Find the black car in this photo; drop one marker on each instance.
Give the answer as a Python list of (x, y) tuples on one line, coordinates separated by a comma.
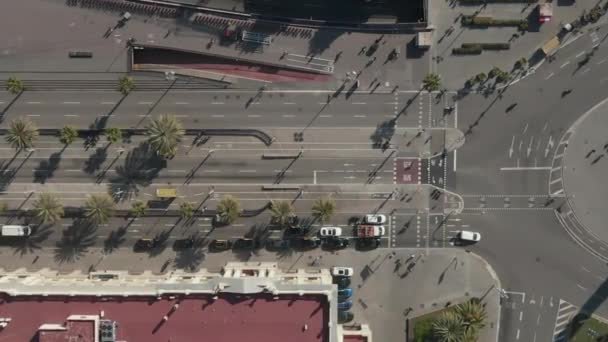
[(277, 244), (336, 243), (144, 245), (342, 282), (245, 244), (296, 231), (306, 242), (220, 245), (180, 244), (345, 316), (367, 243)]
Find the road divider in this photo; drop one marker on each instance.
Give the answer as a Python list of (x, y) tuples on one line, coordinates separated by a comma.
[(276, 187)]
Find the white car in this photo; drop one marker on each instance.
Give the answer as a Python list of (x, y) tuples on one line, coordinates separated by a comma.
[(375, 219), (330, 231), (469, 236), (342, 271)]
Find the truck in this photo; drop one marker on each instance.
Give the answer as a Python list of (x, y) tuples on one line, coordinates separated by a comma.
[(550, 46), (545, 12), (16, 230), (370, 231)]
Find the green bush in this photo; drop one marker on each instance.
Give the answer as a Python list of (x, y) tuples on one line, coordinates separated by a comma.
[(423, 330), (523, 25), (482, 21), (471, 46), (489, 21), (495, 46), (467, 51)]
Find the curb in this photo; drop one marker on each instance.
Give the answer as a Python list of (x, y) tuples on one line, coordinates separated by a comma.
[(494, 276)]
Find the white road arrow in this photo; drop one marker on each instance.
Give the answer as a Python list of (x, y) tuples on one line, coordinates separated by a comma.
[(530, 147), (511, 148)]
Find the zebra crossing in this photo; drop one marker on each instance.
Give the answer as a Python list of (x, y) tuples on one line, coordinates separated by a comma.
[(565, 312)]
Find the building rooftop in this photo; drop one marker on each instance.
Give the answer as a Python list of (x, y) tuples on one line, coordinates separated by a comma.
[(80, 331), (229, 318)]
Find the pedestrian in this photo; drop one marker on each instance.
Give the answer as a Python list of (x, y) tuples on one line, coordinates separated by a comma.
[(363, 49)]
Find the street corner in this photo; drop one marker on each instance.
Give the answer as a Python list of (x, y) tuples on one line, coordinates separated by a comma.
[(454, 139)]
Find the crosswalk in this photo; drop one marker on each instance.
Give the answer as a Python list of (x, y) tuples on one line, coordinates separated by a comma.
[(565, 312)]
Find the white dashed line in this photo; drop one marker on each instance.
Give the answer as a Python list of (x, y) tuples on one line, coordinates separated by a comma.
[(108, 103), (247, 171), (181, 103), (550, 75), (253, 116), (217, 103), (33, 102), (217, 115), (601, 62), (580, 54), (33, 115), (359, 116), (289, 116), (71, 102), (144, 103), (289, 103), (325, 116), (564, 65), (70, 115), (358, 103)]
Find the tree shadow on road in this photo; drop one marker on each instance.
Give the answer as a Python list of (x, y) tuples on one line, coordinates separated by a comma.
[(32, 243), (75, 241), (114, 240), (384, 133), (322, 40), (47, 168), (142, 165), (93, 164), (189, 259)]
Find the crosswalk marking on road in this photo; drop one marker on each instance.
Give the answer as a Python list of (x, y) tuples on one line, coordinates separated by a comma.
[(564, 313)]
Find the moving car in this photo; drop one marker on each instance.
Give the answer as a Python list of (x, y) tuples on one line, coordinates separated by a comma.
[(220, 245), (345, 293), (143, 245), (345, 316), (336, 243), (345, 305), (342, 282), (367, 243), (244, 244), (375, 219), (342, 271), (466, 235), (330, 231)]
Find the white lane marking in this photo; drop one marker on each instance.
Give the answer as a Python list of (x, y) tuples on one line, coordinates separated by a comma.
[(325, 116), (521, 315), (564, 65), (33, 102), (181, 115), (358, 103), (359, 116), (33, 115), (144, 103), (289, 116), (523, 168), (581, 287), (181, 103), (579, 54), (71, 115), (247, 171), (217, 115), (517, 336), (602, 61), (253, 116), (256, 103), (212, 171), (585, 71), (71, 102), (217, 103), (550, 75), (585, 269), (108, 103), (455, 159), (289, 103)]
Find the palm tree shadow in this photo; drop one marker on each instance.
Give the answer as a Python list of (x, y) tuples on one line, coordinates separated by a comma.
[(9, 105), (75, 241), (114, 240), (46, 168), (93, 164), (162, 239), (142, 165), (189, 259), (32, 243)]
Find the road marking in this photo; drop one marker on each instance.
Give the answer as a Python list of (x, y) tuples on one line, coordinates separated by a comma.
[(181, 103), (247, 171), (289, 103), (253, 116), (325, 116), (581, 287), (580, 54), (212, 171), (70, 115), (217, 103), (358, 103), (323, 103), (517, 336), (564, 65), (521, 315), (144, 103), (288, 116), (359, 116), (601, 62), (33, 115), (585, 71), (33, 102), (217, 115), (550, 75), (523, 168), (585, 269), (71, 102), (108, 103)]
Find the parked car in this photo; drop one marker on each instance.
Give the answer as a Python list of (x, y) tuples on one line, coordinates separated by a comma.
[(220, 245), (277, 244), (367, 231), (296, 231), (336, 243), (346, 305), (375, 219), (345, 316), (180, 244), (144, 245), (342, 282), (367, 243), (469, 236), (345, 293), (244, 244), (342, 271), (330, 231), (306, 242)]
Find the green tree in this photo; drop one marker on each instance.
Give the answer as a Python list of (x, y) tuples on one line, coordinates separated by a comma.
[(448, 327), (126, 84), (99, 208), (14, 85), (502, 76), (68, 134), (138, 208), (481, 77), (164, 135), (3, 208), (473, 315), (281, 211), (47, 208), (22, 133), (324, 208), (521, 63), (494, 72), (186, 210), (113, 135), (431, 82), (228, 209)]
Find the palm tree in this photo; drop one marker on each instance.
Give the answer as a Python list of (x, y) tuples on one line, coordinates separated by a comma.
[(3, 208), (228, 209), (164, 135), (431, 82), (138, 209), (448, 327), (324, 208), (22, 133), (281, 211), (126, 84), (47, 208), (186, 210), (113, 134), (14, 85), (473, 315), (68, 134), (99, 208)]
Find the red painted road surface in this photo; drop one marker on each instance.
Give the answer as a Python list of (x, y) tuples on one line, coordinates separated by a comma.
[(406, 170), (228, 319)]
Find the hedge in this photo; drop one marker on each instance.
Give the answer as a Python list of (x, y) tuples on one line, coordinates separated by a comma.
[(467, 51), (477, 48), (472, 20), (495, 46)]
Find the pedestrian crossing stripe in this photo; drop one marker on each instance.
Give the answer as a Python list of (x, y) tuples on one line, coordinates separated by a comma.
[(565, 311)]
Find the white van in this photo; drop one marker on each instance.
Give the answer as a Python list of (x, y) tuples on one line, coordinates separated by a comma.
[(469, 236), (16, 230)]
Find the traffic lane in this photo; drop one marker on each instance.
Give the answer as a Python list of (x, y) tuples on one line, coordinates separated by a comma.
[(549, 263)]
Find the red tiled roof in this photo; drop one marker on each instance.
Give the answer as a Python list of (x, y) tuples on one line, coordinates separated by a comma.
[(228, 319), (76, 331)]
